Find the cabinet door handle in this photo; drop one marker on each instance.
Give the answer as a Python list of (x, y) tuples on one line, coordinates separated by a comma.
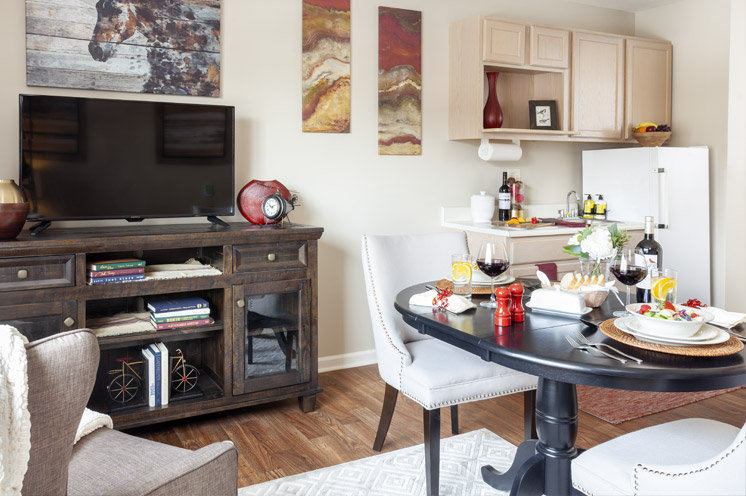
[(271, 257), (240, 303), (69, 322), (22, 274)]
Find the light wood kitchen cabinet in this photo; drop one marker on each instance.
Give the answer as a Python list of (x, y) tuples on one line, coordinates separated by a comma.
[(479, 45), (597, 85), (549, 47), (504, 42), (648, 83)]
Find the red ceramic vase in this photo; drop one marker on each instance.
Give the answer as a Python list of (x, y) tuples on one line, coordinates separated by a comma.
[(251, 196), (493, 114)]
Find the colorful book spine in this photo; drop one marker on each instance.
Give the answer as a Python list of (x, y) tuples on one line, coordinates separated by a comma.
[(177, 325), (116, 272), (149, 379), (106, 280), (188, 303), (124, 263), (181, 313), (185, 318), (158, 372), (166, 376)]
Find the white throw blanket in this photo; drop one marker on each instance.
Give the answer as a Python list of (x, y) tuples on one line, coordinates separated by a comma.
[(90, 422), (15, 421)]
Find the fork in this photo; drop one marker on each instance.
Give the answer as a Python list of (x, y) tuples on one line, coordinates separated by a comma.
[(587, 349), (584, 340)]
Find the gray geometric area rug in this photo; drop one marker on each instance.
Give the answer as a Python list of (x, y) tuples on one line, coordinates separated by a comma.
[(402, 472)]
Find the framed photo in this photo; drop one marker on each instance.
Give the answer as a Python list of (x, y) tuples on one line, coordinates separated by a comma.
[(542, 114)]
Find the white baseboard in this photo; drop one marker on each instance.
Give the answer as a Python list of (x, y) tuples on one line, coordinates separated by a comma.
[(348, 360)]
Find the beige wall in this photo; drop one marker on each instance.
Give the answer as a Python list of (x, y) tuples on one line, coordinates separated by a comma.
[(735, 254), (699, 31), (345, 186)]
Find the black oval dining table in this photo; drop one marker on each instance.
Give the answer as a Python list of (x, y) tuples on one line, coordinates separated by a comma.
[(538, 346)]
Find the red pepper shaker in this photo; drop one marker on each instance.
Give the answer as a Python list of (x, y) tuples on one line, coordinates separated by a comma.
[(516, 304), (502, 313)]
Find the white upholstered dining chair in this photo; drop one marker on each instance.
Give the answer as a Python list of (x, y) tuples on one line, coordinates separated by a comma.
[(431, 372), (690, 457)]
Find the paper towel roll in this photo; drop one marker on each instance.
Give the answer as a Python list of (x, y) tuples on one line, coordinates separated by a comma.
[(500, 152)]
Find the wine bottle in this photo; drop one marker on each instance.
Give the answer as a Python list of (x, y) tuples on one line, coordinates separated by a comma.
[(648, 252), (503, 200)]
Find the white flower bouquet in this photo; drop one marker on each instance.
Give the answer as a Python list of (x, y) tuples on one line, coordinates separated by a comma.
[(597, 244)]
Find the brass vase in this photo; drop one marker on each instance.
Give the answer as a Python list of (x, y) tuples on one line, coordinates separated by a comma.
[(13, 209)]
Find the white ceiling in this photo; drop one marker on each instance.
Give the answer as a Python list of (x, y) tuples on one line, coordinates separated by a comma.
[(627, 5)]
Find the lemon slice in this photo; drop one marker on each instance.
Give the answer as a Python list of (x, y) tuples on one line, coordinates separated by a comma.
[(461, 271), (662, 287)]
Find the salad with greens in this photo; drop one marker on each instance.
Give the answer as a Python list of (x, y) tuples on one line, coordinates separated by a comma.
[(668, 311)]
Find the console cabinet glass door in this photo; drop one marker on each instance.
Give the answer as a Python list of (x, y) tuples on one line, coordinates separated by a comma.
[(271, 335), (39, 320)]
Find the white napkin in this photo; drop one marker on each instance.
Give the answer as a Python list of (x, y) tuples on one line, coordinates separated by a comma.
[(456, 303), (724, 318)]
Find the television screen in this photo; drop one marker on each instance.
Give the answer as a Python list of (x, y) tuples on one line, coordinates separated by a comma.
[(84, 158)]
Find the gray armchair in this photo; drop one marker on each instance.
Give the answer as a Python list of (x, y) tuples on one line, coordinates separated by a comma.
[(61, 373)]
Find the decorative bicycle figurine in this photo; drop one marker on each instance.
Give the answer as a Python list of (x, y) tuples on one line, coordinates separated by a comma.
[(127, 381), (183, 376), (125, 386)]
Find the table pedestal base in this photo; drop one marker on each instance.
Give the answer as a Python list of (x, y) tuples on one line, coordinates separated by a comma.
[(543, 466)]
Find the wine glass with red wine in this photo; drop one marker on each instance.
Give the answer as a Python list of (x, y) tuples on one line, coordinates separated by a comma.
[(493, 261), (627, 272)]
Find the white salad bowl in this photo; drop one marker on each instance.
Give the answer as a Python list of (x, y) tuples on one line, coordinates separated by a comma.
[(669, 327)]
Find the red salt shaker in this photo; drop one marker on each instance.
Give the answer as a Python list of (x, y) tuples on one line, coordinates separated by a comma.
[(516, 304), (502, 313)]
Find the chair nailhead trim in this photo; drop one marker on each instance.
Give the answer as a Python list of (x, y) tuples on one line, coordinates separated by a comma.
[(582, 489), (386, 332), (640, 466), (470, 398)]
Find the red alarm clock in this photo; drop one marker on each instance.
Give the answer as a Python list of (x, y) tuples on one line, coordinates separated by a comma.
[(265, 202)]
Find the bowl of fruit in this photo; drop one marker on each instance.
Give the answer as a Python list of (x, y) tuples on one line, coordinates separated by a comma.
[(650, 134), (669, 320)]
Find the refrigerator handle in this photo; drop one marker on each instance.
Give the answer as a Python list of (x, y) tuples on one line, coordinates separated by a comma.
[(662, 199)]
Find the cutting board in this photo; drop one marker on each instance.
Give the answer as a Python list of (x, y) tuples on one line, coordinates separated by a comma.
[(523, 225)]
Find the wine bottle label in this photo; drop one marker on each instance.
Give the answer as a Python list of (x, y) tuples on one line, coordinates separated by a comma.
[(651, 262), (503, 201)]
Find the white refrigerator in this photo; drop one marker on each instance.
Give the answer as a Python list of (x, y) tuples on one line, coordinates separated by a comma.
[(673, 185)]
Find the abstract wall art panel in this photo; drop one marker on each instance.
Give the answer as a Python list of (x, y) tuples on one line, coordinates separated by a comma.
[(326, 66), (399, 82), (146, 46)]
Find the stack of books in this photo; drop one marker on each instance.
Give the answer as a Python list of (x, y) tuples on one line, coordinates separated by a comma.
[(179, 312), (156, 374), (121, 270)]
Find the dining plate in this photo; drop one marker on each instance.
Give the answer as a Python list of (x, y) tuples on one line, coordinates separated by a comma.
[(706, 332), (558, 313), (623, 324)]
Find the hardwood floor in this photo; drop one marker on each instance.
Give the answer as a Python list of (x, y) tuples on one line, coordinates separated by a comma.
[(277, 440)]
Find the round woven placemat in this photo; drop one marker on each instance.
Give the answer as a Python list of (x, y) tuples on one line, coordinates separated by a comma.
[(477, 290), (729, 347)]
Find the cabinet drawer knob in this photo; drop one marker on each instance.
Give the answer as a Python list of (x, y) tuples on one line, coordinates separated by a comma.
[(22, 274), (271, 257), (69, 322), (240, 303)]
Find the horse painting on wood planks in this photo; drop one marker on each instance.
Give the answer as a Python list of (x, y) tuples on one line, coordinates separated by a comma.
[(151, 46)]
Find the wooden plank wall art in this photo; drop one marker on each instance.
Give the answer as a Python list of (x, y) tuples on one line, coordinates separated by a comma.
[(399, 81), (326, 66), (146, 46)]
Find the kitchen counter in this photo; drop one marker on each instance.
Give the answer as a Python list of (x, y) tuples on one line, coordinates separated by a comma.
[(460, 218)]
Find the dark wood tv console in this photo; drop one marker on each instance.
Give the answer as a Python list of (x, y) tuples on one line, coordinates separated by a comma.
[(260, 347)]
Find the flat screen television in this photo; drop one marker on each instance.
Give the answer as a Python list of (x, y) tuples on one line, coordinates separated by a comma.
[(86, 158)]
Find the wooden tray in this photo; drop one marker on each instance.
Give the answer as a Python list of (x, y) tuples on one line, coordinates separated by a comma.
[(730, 347)]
